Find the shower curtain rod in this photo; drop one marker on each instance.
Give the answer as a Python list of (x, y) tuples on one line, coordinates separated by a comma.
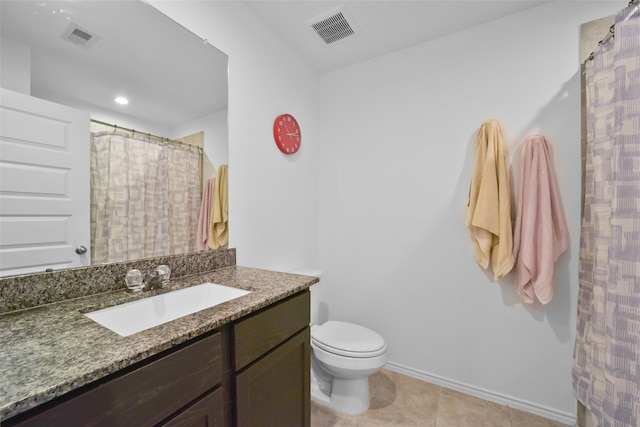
[(611, 32), (162, 138)]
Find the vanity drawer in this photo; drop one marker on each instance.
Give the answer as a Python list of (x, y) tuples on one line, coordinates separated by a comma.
[(144, 396), (268, 328)]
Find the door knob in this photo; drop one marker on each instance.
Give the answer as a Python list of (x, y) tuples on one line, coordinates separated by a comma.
[(81, 250)]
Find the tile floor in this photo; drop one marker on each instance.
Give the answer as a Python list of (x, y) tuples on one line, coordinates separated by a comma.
[(399, 400)]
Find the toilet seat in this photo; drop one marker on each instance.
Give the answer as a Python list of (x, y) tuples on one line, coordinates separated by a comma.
[(347, 339)]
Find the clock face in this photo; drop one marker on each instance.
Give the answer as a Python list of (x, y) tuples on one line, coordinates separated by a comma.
[(286, 133)]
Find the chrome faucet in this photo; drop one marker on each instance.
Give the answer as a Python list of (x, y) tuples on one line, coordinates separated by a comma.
[(152, 280)]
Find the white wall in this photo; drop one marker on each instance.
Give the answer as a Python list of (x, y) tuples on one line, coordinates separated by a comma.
[(394, 138), (273, 198), (397, 144), (121, 120), (216, 135)]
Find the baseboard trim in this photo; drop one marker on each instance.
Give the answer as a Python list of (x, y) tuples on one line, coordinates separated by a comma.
[(491, 396)]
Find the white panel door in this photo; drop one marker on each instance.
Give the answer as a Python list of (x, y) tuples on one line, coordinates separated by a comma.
[(44, 185)]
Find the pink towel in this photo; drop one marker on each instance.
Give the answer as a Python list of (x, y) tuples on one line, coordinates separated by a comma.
[(205, 214), (540, 233)]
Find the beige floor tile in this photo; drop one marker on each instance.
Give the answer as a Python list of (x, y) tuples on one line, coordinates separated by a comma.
[(396, 400), (401, 401), (461, 410), (524, 419), (321, 416)]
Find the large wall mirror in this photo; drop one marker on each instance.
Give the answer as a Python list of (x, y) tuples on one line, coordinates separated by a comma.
[(83, 54)]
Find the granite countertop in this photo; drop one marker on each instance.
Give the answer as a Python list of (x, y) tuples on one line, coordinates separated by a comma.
[(50, 350)]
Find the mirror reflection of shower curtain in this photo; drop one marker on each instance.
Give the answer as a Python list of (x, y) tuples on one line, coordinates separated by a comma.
[(607, 350), (145, 197)]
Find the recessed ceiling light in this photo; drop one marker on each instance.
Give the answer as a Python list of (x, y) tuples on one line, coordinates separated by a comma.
[(122, 100)]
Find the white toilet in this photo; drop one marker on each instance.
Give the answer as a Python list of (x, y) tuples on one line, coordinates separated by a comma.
[(343, 356)]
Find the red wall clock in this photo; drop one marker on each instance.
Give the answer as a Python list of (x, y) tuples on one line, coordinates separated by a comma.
[(286, 133)]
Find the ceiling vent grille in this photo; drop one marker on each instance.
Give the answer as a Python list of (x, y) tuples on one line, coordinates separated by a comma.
[(79, 36), (332, 26)]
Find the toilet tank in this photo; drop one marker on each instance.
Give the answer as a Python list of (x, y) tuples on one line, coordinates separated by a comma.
[(319, 310), (308, 272)]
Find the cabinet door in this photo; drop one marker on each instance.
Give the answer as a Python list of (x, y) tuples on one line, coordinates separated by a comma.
[(206, 412), (275, 390)]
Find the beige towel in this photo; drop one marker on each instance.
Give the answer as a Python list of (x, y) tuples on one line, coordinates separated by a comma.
[(489, 211), (204, 219), (218, 231), (540, 232)]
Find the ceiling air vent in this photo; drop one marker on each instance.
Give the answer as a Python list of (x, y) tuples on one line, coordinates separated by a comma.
[(79, 36), (333, 25)]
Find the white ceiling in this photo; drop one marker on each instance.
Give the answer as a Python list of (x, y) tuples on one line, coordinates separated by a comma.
[(380, 26), (172, 77)]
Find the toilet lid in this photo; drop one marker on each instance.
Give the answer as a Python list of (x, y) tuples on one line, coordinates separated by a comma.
[(347, 339)]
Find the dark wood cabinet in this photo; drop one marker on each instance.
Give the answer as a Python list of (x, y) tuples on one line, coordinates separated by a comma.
[(275, 390), (266, 329), (146, 395), (272, 359), (205, 412), (253, 372)]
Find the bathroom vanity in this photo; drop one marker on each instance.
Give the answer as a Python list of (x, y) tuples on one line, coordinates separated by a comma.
[(244, 362)]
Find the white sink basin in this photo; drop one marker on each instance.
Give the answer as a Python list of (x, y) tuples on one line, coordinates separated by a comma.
[(132, 317)]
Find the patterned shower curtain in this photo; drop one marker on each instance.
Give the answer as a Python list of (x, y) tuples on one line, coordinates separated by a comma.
[(145, 197), (606, 370)]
